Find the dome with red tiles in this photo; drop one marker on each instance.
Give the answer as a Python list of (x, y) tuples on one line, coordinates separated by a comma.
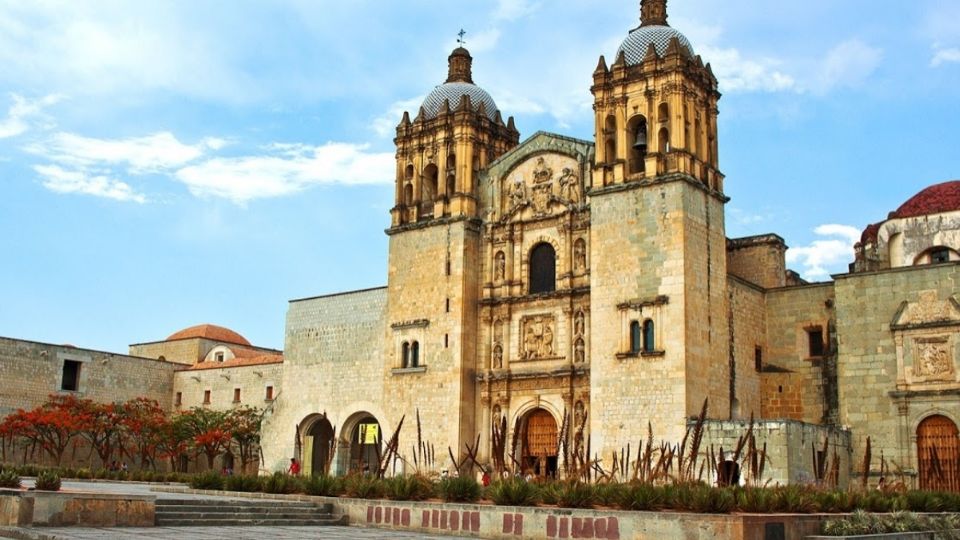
[(935, 199), (211, 332)]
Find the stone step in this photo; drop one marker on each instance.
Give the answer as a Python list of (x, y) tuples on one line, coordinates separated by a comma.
[(231, 503), (314, 522), (216, 514)]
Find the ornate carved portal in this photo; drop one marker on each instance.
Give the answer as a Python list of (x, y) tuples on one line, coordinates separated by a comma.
[(537, 337)]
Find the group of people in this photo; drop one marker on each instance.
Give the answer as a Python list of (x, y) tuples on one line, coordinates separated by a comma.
[(117, 466)]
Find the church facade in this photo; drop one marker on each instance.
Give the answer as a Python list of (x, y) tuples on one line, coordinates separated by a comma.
[(561, 282)]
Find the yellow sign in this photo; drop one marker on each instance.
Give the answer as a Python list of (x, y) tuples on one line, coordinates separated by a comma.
[(368, 434)]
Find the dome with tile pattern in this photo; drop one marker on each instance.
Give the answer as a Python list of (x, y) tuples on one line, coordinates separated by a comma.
[(635, 45)]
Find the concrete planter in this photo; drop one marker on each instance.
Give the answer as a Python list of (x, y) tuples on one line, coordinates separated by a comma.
[(65, 509)]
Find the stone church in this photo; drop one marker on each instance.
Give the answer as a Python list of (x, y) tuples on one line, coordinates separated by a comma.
[(559, 281)]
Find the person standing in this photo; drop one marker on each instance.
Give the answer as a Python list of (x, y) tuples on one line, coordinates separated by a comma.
[(294, 469)]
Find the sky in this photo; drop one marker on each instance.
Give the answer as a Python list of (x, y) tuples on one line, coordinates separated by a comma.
[(166, 164)]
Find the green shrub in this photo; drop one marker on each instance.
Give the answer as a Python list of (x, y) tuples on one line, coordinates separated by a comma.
[(29, 470), (460, 489), (363, 486), (100, 473), (242, 482), (608, 494), (575, 494), (700, 498), (84, 474), (175, 477), (280, 482), (794, 500), (549, 493), (208, 480), (323, 485), (837, 501), (48, 481), (9, 479), (513, 492), (412, 487), (877, 501), (67, 473), (640, 496), (860, 522)]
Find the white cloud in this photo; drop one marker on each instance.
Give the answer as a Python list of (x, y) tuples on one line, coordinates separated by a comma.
[(827, 255), (739, 74), (286, 169), (386, 124), (846, 65), (60, 180), (943, 55), (21, 111), (511, 10), (150, 153)]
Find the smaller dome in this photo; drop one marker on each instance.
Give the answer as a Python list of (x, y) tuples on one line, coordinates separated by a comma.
[(635, 45), (211, 332), (454, 91), (935, 199)]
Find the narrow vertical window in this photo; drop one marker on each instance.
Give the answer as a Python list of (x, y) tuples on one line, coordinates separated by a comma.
[(179, 399), (649, 343), (634, 337), (815, 341), (758, 358), (269, 396), (405, 355), (206, 397), (448, 305), (415, 354), (236, 395), (446, 340)]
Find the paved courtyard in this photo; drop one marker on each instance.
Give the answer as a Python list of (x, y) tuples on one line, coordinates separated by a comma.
[(189, 533)]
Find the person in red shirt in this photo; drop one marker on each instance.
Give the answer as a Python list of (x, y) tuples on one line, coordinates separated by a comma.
[(294, 467)]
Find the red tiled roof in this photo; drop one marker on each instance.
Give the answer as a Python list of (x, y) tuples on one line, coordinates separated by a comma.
[(870, 233), (935, 199), (211, 332), (257, 360)]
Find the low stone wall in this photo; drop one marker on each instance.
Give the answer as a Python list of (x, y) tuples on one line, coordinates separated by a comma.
[(511, 522), (64, 509)]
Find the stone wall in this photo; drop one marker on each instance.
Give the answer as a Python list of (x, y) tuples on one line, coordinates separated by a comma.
[(758, 259), (795, 384), (184, 351), (790, 447), (333, 363), (748, 334), (31, 371)]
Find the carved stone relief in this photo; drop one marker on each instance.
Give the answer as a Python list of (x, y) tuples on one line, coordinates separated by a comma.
[(497, 361), (535, 186), (499, 266), (537, 334), (933, 359), (579, 254)]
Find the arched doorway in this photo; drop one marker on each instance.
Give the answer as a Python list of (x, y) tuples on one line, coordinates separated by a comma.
[(365, 440), (539, 444), (938, 454), (321, 446)]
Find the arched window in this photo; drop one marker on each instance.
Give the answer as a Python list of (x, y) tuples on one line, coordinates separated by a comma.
[(408, 194), (936, 255), (415, 354), (663, 140), (408, 174), (663, 112), (543, 268), (451, 185), (649, 345), (428, 191), (610, 136), (637, 133), (405, 362), (635, 338)]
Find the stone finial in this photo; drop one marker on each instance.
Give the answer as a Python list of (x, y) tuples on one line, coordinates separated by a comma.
[(653, 12), (601, 66), (460, 66)]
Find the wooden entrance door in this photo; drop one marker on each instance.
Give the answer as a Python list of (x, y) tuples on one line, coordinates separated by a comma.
[(938, 454), (540, 443)]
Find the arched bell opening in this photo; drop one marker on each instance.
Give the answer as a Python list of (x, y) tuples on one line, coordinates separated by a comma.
[(637, 133)]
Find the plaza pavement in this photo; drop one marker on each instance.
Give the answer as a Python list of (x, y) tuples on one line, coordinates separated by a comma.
[(191, 533)]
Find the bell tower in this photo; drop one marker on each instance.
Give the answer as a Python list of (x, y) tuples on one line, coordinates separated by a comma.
[(434, 268), (457, 132), (658, 281)]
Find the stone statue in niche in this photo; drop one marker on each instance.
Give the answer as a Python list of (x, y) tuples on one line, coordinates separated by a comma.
[(570, 186), (934, 359), (579, 254), (495, 417), (500, 266), (537, 337), (497, 362), (578, 414), (579, 351), (542, 173), (518, 194), (578, 324)]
